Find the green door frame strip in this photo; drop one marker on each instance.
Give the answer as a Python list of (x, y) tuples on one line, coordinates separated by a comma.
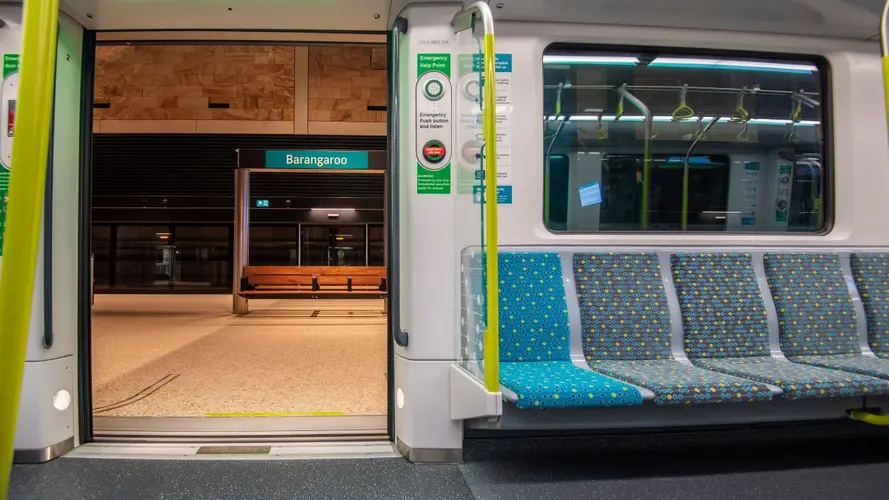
[(24, 211)]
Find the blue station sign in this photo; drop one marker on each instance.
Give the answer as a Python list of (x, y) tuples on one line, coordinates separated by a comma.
[(317, 159)]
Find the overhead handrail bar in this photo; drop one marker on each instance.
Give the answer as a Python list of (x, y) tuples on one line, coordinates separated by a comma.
[(463, 20), (24, 211), (646, 157), (674, 88)]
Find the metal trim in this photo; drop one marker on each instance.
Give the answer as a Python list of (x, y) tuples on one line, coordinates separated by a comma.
[(346, 426), (43, 455), (677, 337), (573, 304), (860, 314), (429, 455), (759, 269)]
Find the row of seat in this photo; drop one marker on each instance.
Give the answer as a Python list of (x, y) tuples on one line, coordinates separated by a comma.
[(687, 328)]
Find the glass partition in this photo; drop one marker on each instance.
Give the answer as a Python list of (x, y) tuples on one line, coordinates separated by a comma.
[(334, 245), (475, 159)]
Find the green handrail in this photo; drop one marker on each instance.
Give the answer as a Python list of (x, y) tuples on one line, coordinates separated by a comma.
[(23, 214), (461, 21)]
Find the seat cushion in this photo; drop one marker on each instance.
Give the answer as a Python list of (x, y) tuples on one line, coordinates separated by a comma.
[(816, 316), (855, 363), (560, 384), (676, 383), (798, 381), (533, 308), (722, 308), (871, 272), (623, 306)]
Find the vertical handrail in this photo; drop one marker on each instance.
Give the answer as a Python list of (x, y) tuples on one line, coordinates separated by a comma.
[(24, 211), (646, 155), (461, 21), (400, 336)]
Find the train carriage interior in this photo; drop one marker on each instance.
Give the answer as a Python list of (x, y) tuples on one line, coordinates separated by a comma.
[(443, 232)]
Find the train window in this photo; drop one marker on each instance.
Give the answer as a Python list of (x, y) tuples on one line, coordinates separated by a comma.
[(646, 141)]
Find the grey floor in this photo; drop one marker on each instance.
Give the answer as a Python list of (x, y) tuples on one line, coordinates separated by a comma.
[(841, 470)]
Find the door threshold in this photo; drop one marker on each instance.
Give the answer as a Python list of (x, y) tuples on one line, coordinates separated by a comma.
[(236, 451), (240, 429)]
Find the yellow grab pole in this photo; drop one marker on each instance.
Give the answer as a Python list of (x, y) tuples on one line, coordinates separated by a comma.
[(24, 210), (864, 416), (884, 48), (492, 336)]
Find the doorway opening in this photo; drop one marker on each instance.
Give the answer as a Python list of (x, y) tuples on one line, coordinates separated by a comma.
[(169, 357)]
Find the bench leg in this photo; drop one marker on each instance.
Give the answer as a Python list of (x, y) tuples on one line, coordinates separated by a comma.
[(385, 305)]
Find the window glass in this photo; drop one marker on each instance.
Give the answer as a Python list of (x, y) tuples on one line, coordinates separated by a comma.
[(274, 245), (645, 141)]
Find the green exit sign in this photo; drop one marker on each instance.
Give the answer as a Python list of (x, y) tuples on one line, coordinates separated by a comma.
[(262, 204)]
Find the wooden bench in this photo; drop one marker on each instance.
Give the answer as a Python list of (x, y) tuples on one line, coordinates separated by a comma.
[(312, 281)]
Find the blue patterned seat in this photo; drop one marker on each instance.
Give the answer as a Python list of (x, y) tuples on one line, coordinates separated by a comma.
[(535, 346), (871, 272), (726, 330), (816, 315), (626, 332)]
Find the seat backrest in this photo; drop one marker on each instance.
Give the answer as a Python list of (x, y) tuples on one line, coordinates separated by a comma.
[(816, 316), (533, 309), (871, 272), (623, 306), (722, 309)]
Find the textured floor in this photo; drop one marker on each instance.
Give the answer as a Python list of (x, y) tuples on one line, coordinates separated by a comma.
[(156, 355), (725, 475)]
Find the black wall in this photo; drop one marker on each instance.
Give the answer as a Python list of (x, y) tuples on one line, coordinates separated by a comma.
[(146, 178)]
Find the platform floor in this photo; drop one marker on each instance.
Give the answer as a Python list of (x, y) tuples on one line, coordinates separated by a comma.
[(187, 355)]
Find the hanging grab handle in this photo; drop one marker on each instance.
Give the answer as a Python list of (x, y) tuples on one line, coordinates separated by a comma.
[(740, 113), (683, 111)]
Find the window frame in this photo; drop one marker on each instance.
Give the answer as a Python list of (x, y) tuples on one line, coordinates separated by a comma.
[(825, 80)]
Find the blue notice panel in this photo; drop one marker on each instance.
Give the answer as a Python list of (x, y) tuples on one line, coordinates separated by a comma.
[(504, 195), (317, 159), (590, 194), (502, 63)]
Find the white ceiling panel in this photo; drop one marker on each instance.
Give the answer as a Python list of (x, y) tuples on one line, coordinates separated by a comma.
[(834, 18), (339, 15)]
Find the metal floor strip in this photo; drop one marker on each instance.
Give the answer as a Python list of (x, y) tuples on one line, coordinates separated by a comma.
[(236, 451)]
